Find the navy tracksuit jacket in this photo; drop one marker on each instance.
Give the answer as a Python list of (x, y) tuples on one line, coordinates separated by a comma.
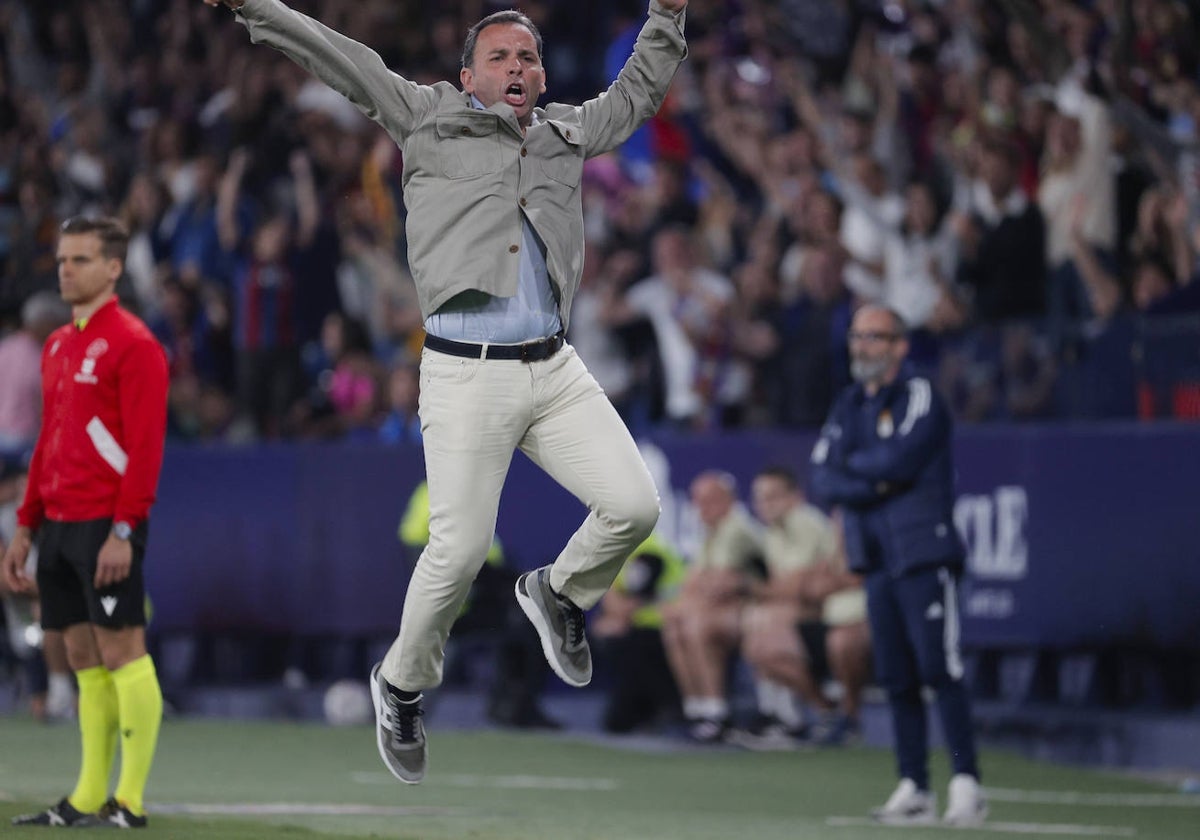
[(886, 461)]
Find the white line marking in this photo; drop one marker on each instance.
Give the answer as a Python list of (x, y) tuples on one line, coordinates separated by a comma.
[(1074, 797), (1060, 829), (467, 780), (308, 809)]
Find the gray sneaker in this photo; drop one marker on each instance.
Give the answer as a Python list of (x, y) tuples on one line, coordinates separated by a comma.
[(399, 732), (560, 624)]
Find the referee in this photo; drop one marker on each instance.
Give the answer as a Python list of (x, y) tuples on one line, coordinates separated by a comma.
[(91, 483)]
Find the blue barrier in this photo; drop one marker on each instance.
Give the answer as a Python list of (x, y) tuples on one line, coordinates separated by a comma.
[(1078, 536)]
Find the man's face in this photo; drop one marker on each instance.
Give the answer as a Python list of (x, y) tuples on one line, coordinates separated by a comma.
[(84, 272), (877, 347), (507, 68), (712, 501), (772, 499)]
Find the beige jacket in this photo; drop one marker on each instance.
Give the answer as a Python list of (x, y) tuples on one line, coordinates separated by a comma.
[(468, 174)]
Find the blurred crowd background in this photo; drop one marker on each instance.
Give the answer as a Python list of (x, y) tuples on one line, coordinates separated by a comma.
[(1020, 179)]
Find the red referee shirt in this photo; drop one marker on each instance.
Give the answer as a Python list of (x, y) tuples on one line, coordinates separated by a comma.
[(104, 418)]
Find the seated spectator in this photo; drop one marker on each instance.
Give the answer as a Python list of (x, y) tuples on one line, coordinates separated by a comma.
[(783, 633), (701, 627)]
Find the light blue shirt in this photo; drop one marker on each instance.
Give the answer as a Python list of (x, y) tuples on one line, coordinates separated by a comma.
[(530, 314)]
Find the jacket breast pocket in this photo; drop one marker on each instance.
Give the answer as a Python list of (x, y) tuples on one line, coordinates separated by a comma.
[(468, 145), (563, 163)]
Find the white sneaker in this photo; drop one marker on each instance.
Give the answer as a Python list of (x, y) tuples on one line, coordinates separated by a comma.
[(908, 806), (967, 805)]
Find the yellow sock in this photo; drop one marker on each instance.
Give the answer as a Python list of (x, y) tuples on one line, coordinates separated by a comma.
[(139, 701), (98, 735)]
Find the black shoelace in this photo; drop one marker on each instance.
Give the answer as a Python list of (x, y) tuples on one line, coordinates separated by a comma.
[(404, 717), (573, 618)]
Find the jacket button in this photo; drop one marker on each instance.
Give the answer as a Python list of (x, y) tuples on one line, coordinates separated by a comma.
[(568, 134), (523, 201), (524, 151), (512, 249), (466, 130)]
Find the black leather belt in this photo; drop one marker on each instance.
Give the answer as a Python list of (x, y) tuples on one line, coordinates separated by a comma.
[(530, 351)]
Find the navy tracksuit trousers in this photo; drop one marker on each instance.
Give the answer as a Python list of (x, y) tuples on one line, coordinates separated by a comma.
[(915, 637)]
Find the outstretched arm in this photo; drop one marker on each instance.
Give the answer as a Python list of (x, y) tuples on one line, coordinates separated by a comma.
[(643, 82), (352, 69)]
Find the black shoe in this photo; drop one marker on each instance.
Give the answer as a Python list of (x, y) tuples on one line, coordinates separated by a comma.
[(112, 814), (709, 730), (62, 814), (399, 732), (765, 734)]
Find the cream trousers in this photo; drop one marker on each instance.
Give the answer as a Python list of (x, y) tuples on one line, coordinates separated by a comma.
[(474, 414)]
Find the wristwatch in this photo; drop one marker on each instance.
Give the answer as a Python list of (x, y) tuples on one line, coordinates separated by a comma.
[(122, 530)]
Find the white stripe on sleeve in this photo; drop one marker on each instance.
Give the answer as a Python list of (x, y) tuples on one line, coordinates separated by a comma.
[(107, 446), (920, 399)]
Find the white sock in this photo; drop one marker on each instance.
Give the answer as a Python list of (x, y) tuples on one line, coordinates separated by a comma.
[(777, 701), (714, 708), (692, 708)]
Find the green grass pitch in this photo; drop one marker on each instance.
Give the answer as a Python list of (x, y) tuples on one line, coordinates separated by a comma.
[(233, 780)]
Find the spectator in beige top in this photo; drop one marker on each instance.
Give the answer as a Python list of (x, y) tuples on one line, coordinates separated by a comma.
[(701, 627), (808, 616)]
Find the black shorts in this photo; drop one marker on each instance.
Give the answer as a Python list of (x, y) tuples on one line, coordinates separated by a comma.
[(813, 634), (66, 569)]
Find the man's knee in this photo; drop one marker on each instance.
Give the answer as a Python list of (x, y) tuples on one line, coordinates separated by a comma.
[(467, 552), (635, 513), (117, 648), (847, 643), (82, 650)]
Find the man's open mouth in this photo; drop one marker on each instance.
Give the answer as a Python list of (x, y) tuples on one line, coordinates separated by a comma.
[(514, 95)]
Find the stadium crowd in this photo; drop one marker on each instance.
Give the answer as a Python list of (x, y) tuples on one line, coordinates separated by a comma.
[(1020, 180)]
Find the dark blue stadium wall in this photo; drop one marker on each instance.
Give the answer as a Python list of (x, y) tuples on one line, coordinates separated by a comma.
[(1078, 536)]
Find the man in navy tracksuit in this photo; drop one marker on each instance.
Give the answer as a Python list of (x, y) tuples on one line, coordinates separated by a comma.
[(884, 458)]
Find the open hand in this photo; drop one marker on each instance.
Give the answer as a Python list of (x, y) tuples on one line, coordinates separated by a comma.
[(14, 577)]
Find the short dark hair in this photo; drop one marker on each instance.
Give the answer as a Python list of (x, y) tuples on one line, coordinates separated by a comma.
[(508, 16), (114, 236), (782, 473)]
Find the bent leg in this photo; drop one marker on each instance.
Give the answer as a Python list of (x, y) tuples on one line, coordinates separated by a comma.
[(774, 646), (849, 650), (578, 438), (674, 645)]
